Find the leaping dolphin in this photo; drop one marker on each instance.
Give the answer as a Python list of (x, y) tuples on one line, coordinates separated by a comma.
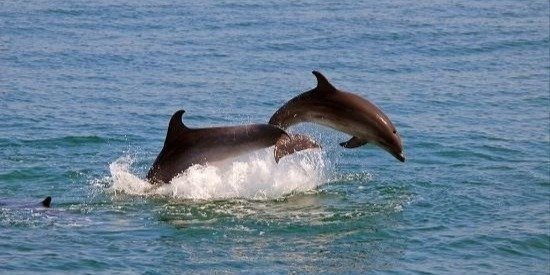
[(343, 111), (184, 147)]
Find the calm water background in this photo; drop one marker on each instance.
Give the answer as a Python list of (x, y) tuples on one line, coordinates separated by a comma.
[(87, 86)]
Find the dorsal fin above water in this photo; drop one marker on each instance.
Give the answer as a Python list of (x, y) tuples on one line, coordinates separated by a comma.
[(176, 128), (47, 202), (323, 85)]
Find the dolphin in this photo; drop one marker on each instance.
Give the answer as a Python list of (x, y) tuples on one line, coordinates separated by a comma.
[(184, 147), (47, 202), (343, 111)]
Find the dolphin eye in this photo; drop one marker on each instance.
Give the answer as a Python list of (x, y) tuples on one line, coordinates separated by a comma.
[(394, 131)]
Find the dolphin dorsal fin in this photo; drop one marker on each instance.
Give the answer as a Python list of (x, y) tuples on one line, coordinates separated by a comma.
[(47, 202), (176, 128), (323, 85)]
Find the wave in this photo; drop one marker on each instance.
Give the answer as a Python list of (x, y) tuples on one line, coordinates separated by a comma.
[(254, 176)]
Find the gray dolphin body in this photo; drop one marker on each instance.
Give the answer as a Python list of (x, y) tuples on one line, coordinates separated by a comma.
[(343, 111), (184, 147)]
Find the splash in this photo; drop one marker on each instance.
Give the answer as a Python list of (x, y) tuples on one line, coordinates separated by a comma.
[(253, 176)]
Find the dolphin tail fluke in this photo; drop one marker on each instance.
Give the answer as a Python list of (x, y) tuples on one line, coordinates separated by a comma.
[(287, 145), (47, 202)]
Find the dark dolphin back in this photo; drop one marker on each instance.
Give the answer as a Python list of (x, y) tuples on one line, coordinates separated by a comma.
[(184, 147), (47, 202), (297, 109)]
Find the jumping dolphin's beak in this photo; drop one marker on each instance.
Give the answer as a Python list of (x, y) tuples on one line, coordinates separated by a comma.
[(400, 157)]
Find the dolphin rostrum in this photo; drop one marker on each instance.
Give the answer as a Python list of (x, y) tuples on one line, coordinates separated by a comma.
[(343, 111), (184, 147)]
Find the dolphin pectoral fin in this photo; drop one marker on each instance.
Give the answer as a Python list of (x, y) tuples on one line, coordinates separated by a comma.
[(354, 142), (47, 202), (287, 145)]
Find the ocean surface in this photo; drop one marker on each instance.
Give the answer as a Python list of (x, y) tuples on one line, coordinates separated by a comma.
[(87, 89)]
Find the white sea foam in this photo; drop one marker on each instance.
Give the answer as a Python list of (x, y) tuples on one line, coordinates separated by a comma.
[(253, 176)]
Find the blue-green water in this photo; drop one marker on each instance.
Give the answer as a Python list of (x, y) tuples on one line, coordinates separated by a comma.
[(87, 88)]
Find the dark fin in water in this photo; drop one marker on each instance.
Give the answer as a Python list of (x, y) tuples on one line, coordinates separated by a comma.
[(176, 127), (288, 145), (354, 142), (47, 202), (323, 85)]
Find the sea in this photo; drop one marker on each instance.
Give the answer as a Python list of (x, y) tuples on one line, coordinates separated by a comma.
[(87, 89)]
